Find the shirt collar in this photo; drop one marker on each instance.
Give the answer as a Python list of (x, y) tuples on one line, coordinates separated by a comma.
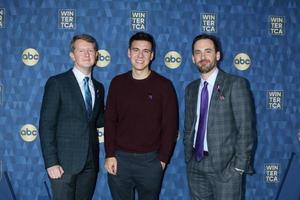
[(212, 78), (79, 75)]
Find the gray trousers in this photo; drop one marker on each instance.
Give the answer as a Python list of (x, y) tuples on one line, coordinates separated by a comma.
[(206, 184)]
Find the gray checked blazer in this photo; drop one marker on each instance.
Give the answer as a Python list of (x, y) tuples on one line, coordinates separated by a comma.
[(231, 123), (66, 132)]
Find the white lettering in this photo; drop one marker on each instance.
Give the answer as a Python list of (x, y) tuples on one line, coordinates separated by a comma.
[(138, 14), (277, 19), (68, 13), (209, 17)]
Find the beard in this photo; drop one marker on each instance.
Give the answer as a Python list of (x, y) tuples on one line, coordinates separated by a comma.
[(205, 66)]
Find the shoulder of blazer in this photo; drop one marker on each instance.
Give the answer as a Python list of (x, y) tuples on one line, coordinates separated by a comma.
[(63, 76), (226, 78), (225, 75), (191, 92), (60, 79), (193, 85)]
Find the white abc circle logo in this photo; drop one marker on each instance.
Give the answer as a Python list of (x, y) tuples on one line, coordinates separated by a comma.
[(30, 57), (172, 59), (242, 61), (28, 132), (100, 132), (103, 58)]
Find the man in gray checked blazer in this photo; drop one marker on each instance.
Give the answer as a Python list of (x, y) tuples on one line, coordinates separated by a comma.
[(68, 122), (229, 127)]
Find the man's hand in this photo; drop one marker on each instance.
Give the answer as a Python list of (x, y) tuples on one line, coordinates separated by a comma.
[(163, 165), (55, 171), (111, 165)]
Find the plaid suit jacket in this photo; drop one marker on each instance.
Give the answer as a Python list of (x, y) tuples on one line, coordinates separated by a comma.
[(66, 132), (231, 123)]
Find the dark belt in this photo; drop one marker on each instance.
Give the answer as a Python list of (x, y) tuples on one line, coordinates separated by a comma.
[(205, 153)]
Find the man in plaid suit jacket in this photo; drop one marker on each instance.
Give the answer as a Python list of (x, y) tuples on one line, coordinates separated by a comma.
[(229, 130), (68, 133)]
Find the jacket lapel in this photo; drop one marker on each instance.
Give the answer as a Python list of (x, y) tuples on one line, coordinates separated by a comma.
[(75, 88), (215, 98), (194, 99), (193, 102), (97, 97)]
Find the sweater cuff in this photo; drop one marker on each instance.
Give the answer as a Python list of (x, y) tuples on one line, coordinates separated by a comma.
[(110, 154), (163, 158)]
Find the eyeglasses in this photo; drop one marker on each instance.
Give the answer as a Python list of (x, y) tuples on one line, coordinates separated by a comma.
[(137, 51)]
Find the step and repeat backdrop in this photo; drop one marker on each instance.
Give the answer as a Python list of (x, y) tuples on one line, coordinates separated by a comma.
[(260, 41)]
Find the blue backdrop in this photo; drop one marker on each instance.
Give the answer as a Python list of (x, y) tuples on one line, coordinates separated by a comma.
[(34, 41)]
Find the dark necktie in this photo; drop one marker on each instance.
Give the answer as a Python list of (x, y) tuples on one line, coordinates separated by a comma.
[(87, 96), (202, 123)]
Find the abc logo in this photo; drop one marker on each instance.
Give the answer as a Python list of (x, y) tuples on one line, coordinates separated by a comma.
[(242, 61), (100, 132), (30, 57), (103, 58), (172, 59), (28, 132)]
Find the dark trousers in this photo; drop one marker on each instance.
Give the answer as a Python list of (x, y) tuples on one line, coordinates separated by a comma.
[(142, 172), (79, 186), (206, 184)]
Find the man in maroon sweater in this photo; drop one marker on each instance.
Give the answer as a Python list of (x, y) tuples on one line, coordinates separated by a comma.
[(141, 122)]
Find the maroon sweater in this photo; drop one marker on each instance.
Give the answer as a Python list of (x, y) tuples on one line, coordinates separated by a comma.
[(141, 116)]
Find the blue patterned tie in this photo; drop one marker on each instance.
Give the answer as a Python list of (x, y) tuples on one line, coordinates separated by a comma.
[(202, 123), (87, 96)]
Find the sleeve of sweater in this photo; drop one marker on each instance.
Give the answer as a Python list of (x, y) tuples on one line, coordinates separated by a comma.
[(169, 129), (110, 121)]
